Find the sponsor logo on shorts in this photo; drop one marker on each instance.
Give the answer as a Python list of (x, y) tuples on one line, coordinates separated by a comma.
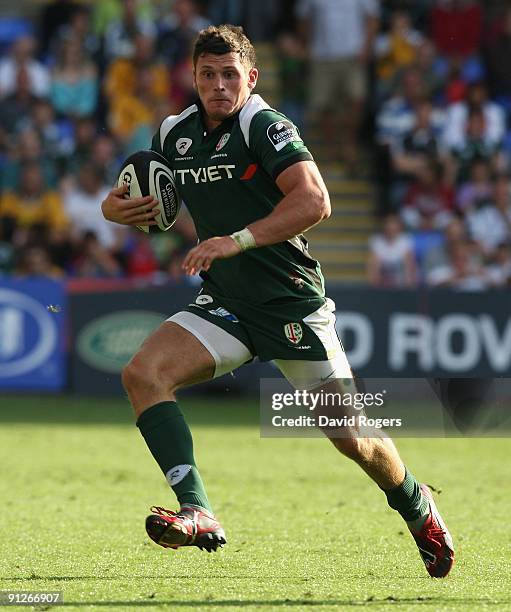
[(281, 133), (225, 314), (203, 299), (222, 142), (294, 332), (183, 144)]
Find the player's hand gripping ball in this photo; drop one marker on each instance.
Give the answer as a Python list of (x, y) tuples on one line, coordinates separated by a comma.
[(146, 173)]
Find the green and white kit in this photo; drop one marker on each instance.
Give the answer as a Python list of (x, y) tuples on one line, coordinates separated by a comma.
[(271, 300)]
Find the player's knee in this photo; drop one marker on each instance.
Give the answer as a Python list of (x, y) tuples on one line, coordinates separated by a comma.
[(134, 376), (141, 376)]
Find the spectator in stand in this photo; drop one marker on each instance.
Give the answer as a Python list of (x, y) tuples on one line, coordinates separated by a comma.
[(74, 85), (417, 147), (175, 45), (92, 260), (27, 149), (391, 261), (458, 115), (429, 203), (35, 262), (85, 131), (340, 35), (394, 120), (292, 63), (439, 254), (499, 270), (122, 74), (179, 30), (490, 225), (140, 257), (82, 209), (6, 247), (120, 35), (499, 67), (54, 134), (397, 116), (16, 108), (79, 29), (55, 14), (462, 272), (260, 19), (226, 11), (138, 90), (396, 50), (457, 27), (21, 57), (478, 190), (32, 203), (433, 69), (105, 155), (134, 118), (475, 144)]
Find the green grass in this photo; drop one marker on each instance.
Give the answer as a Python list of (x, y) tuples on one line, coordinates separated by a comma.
[(306, 529)]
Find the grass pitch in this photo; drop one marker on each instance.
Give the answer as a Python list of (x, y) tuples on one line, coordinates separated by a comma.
[(306, 528)]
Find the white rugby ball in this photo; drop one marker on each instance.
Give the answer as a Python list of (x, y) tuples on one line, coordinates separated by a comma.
[(147, 173)]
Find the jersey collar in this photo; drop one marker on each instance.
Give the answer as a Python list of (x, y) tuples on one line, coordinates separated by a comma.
[(226, 124)]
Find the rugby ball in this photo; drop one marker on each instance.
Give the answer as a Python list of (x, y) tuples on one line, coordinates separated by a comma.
[(147, 173)]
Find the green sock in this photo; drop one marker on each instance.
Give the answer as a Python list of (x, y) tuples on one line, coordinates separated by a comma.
[(408, 500), (169, 439)]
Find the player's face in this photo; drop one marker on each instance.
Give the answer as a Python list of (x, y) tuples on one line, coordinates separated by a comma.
[(223, 83)]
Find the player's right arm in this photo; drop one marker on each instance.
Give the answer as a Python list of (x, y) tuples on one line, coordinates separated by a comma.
[(132, 211)]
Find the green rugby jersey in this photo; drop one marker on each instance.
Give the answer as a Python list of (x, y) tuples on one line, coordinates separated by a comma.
[(227, 180)]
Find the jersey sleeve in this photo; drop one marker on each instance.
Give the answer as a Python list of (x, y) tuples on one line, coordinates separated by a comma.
[(276, 142)]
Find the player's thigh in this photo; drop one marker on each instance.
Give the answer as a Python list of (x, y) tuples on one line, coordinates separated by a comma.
[(225, 351), (187, 349), (311, 374), (171, 356)]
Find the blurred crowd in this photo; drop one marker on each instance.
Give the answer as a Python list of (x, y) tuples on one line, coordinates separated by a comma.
[(442, 124), (417, 91)]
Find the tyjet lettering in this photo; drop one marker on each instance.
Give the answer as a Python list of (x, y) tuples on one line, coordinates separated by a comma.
[(206, 175)]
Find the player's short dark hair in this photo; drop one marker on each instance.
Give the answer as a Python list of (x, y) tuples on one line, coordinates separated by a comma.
[(222, 39)]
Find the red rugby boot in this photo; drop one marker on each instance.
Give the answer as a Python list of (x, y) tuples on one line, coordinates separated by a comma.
[(434, 541), (191, 526)]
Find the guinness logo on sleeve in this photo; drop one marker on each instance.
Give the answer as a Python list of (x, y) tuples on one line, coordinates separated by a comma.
[(281, 133)]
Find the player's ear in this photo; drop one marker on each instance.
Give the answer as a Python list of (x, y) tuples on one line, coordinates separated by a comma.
[(252, 77)]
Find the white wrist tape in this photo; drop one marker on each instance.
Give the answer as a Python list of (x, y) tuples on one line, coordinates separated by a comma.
[(244, 239)]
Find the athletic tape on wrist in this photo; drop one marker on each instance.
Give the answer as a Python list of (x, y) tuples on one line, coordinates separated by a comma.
[(244, 239)]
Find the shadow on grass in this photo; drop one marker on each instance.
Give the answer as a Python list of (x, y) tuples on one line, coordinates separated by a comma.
[(434, 602), (67, 409)]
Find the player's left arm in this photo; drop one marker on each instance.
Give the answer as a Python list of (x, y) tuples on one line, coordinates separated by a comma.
[(305, 203)]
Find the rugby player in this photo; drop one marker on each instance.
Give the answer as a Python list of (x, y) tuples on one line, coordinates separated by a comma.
[(252, 189)]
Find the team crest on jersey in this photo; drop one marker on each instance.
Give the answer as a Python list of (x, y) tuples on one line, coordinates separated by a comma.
[(183, 144), (222, 142), (294, 332)]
